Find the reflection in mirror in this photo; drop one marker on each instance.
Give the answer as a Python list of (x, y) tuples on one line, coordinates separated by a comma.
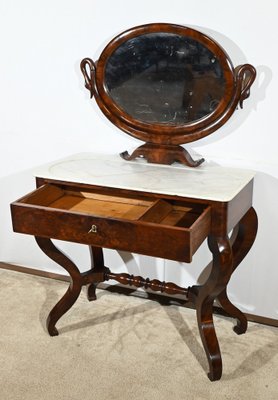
[(164, 78)]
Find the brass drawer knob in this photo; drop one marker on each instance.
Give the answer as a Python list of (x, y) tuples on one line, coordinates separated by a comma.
[(93, 229)]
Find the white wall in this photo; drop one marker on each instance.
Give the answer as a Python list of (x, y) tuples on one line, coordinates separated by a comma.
[(45, 113)]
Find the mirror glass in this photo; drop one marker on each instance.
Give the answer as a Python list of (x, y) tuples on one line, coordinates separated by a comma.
[(164, 78)]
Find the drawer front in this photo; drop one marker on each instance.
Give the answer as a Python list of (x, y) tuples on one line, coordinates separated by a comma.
[(154, 239)]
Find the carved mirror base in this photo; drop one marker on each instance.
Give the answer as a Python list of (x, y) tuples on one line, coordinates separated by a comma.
[(162, 154)]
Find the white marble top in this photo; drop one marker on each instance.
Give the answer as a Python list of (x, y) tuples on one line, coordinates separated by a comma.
[(207, 181)]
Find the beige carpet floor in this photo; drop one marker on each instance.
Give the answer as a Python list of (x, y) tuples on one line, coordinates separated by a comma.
[(122, 347)]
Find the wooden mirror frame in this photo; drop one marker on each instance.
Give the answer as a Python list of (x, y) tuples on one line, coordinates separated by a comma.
[(163, 140)]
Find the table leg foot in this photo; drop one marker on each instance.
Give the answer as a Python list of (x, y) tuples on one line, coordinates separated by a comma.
[(71, 295), (209, 340), (52, 330), (66, 302), (204, 296), (97, 265), (91, 292)]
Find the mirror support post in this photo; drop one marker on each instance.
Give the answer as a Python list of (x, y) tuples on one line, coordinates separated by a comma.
[(163, 154)]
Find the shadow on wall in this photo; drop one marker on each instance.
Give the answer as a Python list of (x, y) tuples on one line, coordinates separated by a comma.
[(258, 93), (12, 187), (258, 89), (259, 270)]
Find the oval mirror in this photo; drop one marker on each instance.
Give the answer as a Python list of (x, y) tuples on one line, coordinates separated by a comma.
[(167, 85)]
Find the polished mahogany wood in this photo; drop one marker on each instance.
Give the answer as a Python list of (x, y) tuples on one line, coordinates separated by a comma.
[(227, 255), (242, 240), (77, 279), (204, 296), (154, 224), (163, 154), (178, 242), (156, 135), (218, 218), (74, 289), (154, 284), (97, 266)]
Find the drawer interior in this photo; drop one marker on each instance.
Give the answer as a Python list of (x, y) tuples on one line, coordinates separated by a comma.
[(133, 207)]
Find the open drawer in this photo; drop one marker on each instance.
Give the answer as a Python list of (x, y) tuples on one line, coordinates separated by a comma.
[(137, 223)]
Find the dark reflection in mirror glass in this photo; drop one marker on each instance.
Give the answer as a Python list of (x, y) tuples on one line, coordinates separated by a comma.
[(164, 78)]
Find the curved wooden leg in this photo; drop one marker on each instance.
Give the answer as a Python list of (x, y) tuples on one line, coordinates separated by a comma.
[(204, 296), (242, 242), (97, 265), (70, 297)]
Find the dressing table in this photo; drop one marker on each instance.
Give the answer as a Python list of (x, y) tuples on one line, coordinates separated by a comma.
[(167, 85)]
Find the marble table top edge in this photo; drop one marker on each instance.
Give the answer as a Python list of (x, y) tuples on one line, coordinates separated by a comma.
[(206, 182)]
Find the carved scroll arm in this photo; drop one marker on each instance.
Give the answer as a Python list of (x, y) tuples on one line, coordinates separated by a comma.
[(89, 76), (245, 76)]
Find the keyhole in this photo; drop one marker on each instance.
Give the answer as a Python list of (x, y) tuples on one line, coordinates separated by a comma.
[(93, 229)]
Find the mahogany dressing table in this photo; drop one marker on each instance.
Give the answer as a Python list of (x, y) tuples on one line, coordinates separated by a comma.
[(167, 85)]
